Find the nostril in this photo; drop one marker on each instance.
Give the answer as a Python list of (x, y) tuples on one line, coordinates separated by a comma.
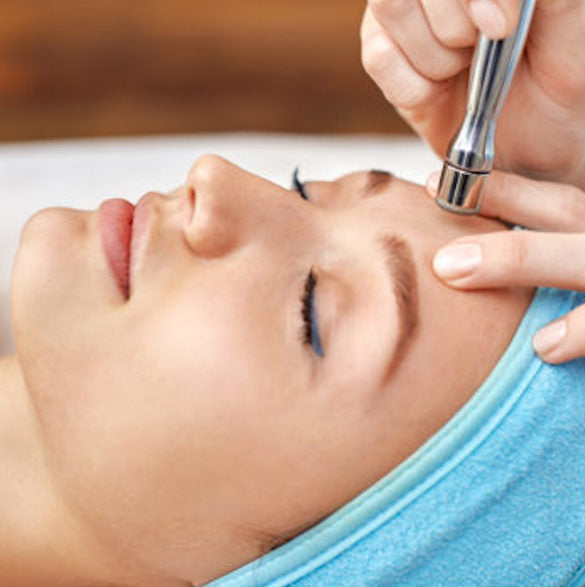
[(191, 199)]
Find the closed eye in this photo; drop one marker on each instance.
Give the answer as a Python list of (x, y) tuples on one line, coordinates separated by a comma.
[(311, 334)]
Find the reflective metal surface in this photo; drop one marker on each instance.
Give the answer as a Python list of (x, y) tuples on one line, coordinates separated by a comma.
[(460, 190), (472, 151)]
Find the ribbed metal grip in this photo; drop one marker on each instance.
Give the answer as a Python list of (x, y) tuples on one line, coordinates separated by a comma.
[(460, 191)]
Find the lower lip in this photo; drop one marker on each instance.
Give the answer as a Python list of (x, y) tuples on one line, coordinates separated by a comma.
[(115, 223)]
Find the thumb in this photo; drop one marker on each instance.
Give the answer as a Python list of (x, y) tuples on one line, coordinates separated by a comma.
[(495, 18)]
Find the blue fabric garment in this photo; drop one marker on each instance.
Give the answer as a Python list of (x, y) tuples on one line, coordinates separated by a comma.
[(495, 498)]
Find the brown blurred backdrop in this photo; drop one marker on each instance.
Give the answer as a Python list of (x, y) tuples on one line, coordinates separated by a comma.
[(71, 68)]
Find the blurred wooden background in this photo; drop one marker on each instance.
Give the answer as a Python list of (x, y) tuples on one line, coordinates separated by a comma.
[(74, 68)]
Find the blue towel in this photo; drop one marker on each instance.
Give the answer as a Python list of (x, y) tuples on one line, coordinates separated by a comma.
[(495, 498)]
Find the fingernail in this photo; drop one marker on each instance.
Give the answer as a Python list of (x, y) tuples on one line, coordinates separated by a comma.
[(489, 18), (433, 183), (547, 339), (457, 261)]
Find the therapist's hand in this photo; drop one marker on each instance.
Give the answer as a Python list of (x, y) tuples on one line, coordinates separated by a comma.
[(419, 53), (552, 257)]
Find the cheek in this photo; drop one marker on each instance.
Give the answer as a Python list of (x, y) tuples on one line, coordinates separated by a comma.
[(146, 418), (162, 412)]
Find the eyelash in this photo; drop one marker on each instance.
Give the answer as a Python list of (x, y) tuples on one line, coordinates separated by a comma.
[(310, 329), (298, 185), (310, 335)]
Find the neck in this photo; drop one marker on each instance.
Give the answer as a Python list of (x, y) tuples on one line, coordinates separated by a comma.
[(41, 541)]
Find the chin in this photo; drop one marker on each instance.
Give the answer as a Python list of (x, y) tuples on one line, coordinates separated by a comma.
[(54, 293), (49, 279)]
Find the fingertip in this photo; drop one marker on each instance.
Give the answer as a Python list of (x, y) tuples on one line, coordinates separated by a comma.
[(547, 341), (457, 262), (489, 17), (432, 184)]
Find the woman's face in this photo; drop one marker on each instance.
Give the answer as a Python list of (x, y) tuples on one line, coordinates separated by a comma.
[(266, 367)]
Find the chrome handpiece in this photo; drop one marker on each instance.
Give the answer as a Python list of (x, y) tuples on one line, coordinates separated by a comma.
[(471, 152)]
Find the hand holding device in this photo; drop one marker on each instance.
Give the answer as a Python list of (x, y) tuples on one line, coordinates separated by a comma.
[(419, 52)]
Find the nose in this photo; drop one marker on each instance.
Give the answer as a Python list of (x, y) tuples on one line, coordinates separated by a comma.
[(231, 207)]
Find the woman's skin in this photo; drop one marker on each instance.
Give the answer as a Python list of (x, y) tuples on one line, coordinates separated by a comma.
[(171, 436)]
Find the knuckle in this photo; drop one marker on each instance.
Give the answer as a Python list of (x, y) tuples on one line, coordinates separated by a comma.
[(369, 26), (514, 253), (454, 38), (447, 37), (413, 96), (376, 55), (448, 65), (449, 24)]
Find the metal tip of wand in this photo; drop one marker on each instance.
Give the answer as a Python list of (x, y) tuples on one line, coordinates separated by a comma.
[(460, 191)]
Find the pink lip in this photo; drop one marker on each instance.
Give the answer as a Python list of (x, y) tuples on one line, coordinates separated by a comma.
[(140, 228), (116, 218), (124, 230)]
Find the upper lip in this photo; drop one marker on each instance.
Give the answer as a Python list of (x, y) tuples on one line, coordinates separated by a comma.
[(140, 229), (143, 215)]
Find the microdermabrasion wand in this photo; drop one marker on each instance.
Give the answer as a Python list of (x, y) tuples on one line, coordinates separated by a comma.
[(471, 153)]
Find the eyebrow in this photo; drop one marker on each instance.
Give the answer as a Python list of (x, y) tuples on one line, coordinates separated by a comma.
[(402, 274), (376, 181)]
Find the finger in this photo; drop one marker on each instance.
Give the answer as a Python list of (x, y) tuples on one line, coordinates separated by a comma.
[(495, 18), (383, 60), (513, 258), (539, 205), (450, 23), (562, 340), (405, 23)]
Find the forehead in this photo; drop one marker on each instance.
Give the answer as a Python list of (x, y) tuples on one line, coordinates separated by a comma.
[(367, 182), (365, 186)]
